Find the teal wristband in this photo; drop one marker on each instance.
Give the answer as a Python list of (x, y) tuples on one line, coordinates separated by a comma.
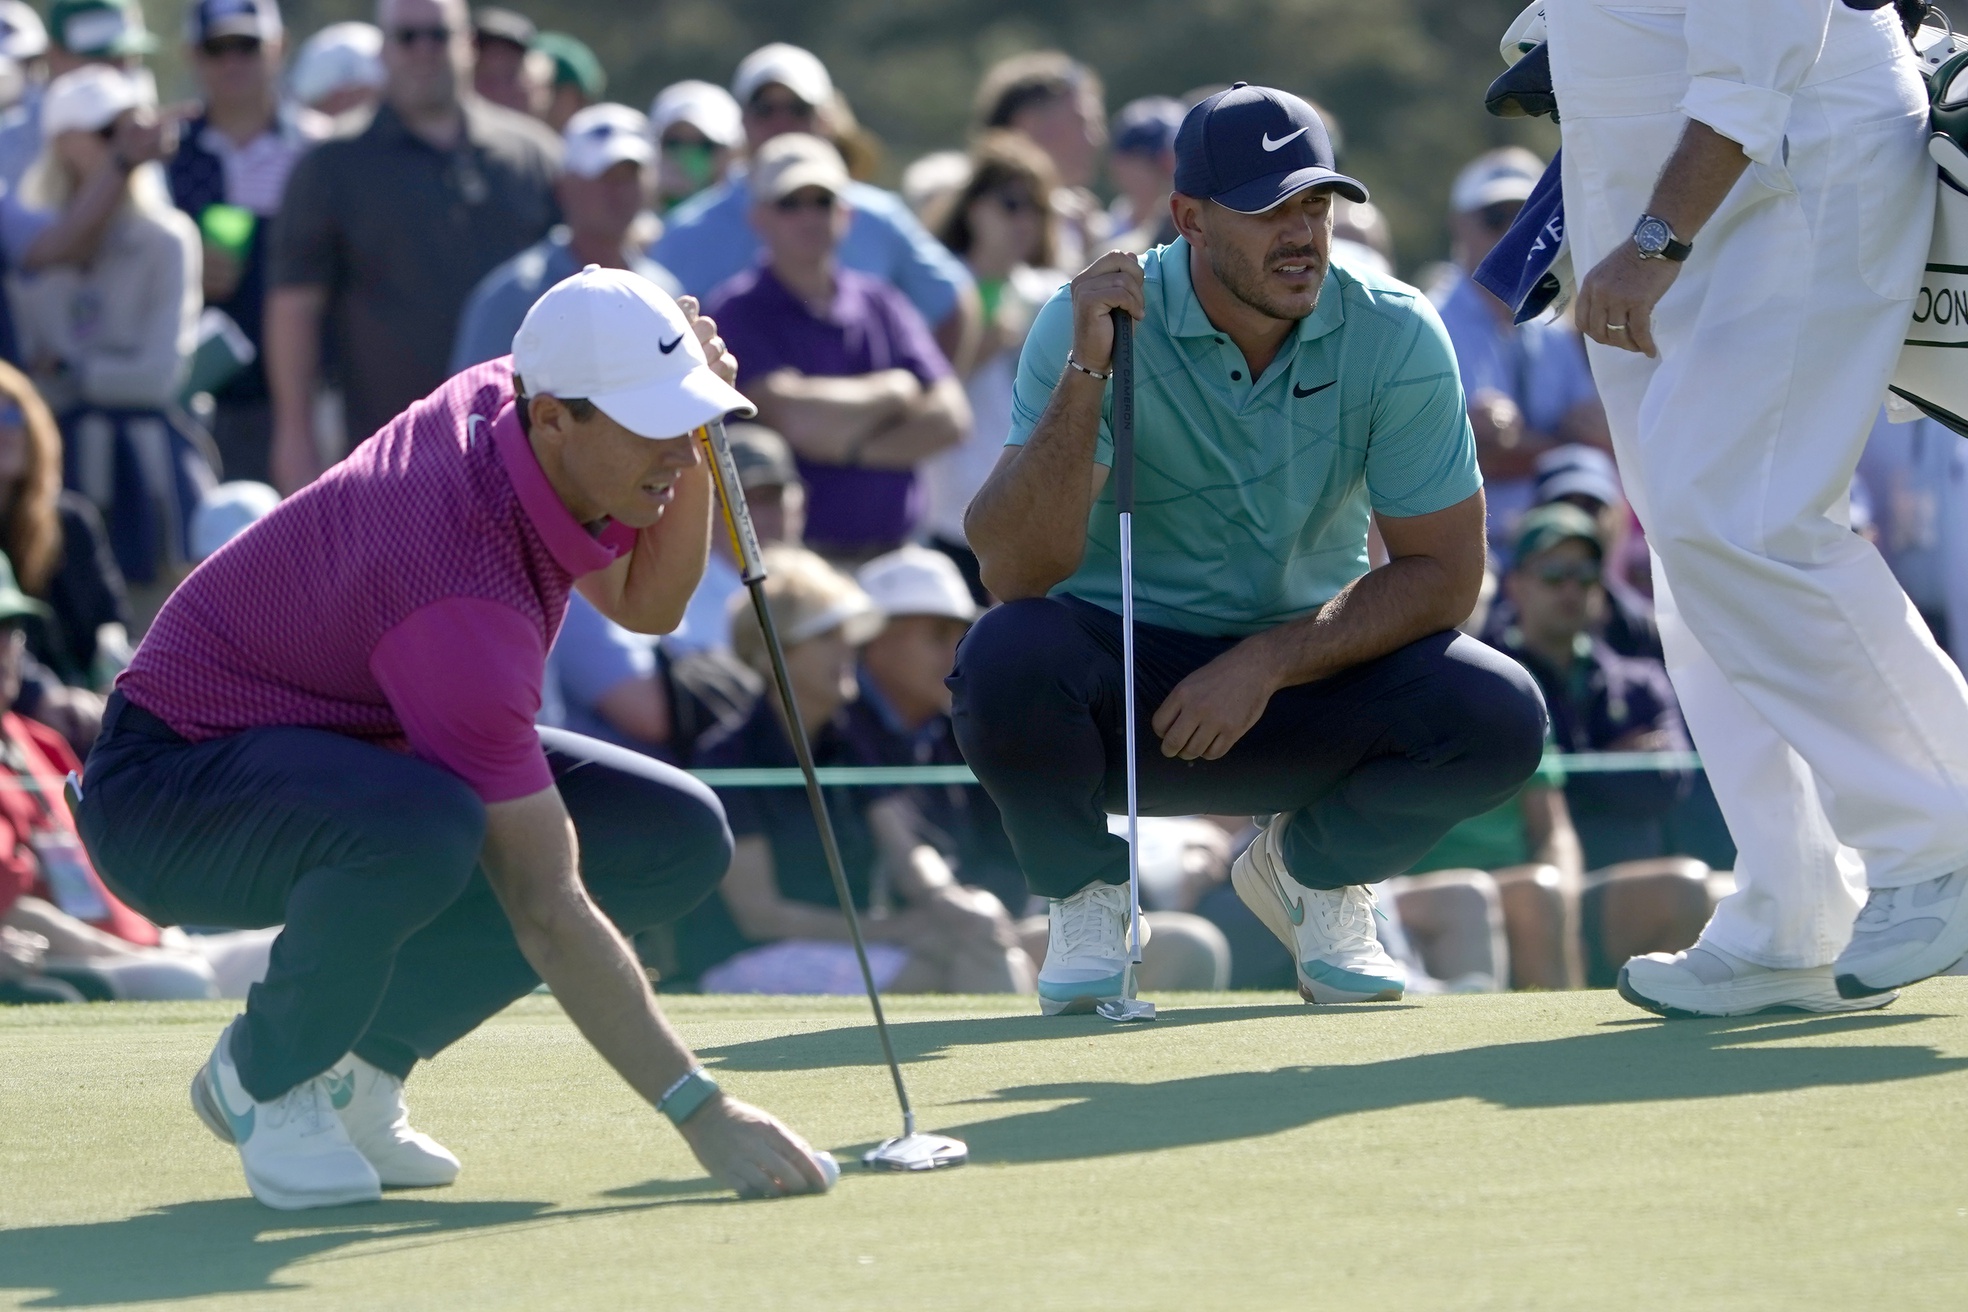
[(683, 1098)]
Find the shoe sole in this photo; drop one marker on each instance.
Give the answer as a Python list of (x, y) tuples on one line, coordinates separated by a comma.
[(1257, 893), (1629, 991), (201, 1102)]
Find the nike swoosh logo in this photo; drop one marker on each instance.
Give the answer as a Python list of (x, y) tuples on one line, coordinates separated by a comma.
[(1281, 142), (1294, 906), (471, 429), (1310, 390), (341, 1088), (667, 347), (242, 1124)]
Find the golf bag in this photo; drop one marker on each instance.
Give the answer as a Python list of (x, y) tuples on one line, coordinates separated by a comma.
[(1931, 377)]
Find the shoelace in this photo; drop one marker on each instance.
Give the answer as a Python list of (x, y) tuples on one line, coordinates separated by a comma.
[(1348, 916), (303, 1105), (1081, 922), (1878, 910)]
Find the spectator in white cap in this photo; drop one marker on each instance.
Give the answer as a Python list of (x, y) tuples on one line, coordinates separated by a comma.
[(227, 511), (603, 186), (339, 69), (77, 32), (708, 239), (107, 341), (1528, 385), (23, 52), (229, 174), (289, 660), (699, 131)]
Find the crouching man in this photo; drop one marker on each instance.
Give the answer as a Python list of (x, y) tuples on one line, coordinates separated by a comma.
[(330, 726), (1281, 403)]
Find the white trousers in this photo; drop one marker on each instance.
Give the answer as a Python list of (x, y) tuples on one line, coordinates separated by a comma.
[(1834, 731)]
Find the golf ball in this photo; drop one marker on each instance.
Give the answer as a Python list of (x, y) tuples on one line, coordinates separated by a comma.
[(829, 1167)]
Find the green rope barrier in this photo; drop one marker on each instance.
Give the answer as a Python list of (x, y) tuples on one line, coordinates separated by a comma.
[(901, 776)]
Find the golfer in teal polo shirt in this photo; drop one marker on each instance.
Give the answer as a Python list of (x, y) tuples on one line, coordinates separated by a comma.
[(1284, 405)]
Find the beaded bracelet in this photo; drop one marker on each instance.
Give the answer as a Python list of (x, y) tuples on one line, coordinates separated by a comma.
[(1071, 363)]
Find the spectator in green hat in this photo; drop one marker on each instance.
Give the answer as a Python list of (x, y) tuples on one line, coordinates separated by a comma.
[(577, 78)]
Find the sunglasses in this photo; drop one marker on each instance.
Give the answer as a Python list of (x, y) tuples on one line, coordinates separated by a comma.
[(790, 107), (1499, 217), (221, 46), (1585, 573), (1012, 203), (409, 36), (794, 203)]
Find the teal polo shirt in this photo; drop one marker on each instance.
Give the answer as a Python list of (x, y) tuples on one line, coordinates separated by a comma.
[(1253, 497)]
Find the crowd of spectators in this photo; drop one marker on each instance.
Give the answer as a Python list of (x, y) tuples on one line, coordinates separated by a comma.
[(206, 303)]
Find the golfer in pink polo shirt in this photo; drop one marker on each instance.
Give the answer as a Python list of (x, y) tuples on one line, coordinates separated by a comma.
[(330, 727)]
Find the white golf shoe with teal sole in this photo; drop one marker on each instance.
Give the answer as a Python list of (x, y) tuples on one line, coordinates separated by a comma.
[(294, 1148), (1086, 950), (1329, 932), (370, 1102)]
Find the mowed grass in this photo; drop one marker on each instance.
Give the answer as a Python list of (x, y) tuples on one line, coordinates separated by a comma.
[(1548, 1151)]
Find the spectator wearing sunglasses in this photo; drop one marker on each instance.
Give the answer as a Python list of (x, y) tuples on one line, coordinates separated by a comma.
[(1006, 233), (699, 131), (78, 32), (837, 360), (384, 293), (229, 174), (784, 89), (1528, 385), (1600, 700)]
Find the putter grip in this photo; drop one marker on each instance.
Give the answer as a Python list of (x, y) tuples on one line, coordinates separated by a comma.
[(737, 516), (1123, 412)]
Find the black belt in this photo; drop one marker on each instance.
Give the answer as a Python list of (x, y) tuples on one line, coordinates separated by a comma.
[(123, 714)]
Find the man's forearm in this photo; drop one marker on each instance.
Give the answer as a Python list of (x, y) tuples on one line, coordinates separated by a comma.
[(76, 235), (293, 361), (935, 422), (1381, 611), (825, 419), (1027, 524), (531, 857), (1697, 178)]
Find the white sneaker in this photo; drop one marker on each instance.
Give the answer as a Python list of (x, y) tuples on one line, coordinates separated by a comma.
[(1903, 935), (1708, 981), (1086, 958), (294, 1148), (1329, 932), (370, 1102)]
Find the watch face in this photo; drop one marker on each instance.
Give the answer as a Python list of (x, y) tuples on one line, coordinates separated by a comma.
[(1652, 235)]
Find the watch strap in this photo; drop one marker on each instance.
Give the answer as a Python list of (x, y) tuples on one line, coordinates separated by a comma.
[(687, 1095)]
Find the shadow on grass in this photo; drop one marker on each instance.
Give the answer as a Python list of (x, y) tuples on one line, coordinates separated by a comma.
[(1661, 1062), (236, 1246), (924, 1040)]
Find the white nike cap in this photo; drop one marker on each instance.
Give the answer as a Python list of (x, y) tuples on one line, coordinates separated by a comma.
[(615, 338)]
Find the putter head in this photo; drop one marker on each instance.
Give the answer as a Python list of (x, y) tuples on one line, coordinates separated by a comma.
[(917, 1152), (1123, 1010)]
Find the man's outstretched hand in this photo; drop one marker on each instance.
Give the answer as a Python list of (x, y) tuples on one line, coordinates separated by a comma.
[(752, 1151)]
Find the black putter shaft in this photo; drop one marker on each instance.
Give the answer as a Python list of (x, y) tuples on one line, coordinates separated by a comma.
[(1123, 426), (744, 541)]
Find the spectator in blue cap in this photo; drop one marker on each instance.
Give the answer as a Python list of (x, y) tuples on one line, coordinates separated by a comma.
[(1142, 167), (229, 174)]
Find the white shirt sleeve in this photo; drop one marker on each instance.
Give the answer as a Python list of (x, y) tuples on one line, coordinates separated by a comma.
[(1745, 60)]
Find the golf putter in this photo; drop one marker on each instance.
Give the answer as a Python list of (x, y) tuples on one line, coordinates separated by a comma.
[(910, 1151), (1127, 1007)]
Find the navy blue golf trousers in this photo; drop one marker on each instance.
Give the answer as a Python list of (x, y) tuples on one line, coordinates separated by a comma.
[(394, 945), (1375, 764)]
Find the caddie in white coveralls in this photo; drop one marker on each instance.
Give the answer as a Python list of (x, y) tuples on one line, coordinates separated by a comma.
[(1785, 141)]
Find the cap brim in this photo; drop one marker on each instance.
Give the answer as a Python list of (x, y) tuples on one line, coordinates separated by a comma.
[(1261, 194), (673, 407), (241, 25), (808, 174), (580, 165), (1502, 191), (1569, 484), (19, 606)]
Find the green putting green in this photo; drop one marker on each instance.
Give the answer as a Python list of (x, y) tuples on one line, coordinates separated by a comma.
[(1528, 1150)]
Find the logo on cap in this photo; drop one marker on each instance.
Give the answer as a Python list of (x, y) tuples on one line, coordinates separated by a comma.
[(1281, 142)]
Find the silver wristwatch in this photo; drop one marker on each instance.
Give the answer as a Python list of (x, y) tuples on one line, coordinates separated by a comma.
[(1654, 240)]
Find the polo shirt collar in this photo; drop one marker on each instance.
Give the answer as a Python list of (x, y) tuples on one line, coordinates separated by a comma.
[(386, 122), (1184, 315), (575, 549)]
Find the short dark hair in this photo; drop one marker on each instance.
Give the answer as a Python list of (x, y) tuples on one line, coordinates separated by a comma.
[(1039, 77), (1002, 159), (579, 406)]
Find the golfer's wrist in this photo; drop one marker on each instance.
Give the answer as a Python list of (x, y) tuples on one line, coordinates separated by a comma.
[(690, 1097)]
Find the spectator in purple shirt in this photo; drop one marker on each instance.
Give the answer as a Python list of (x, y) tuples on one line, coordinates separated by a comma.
[(836, 360)]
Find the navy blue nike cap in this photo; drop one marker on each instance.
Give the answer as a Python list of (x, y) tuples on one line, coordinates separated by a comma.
[(1249, 148)]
